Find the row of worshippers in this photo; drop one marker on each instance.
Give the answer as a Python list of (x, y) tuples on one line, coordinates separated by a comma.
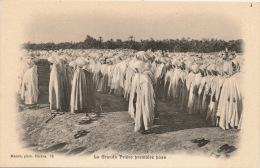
[(197, 85), (71, 86), (211, 90), (130, 76), (207, 86), (87, 77)]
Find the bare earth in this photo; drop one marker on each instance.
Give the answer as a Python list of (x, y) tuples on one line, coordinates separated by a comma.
[(114, 131)]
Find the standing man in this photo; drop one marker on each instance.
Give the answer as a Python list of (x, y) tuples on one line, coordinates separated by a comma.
[(143, 92), (29, 87), (82, 92), (56, 90)]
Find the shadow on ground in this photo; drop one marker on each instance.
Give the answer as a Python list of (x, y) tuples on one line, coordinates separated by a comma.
[(113, 130), (171, 118)]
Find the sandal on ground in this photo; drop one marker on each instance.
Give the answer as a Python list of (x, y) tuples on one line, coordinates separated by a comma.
[(203, 143), (84, 122), (223, 148), (146, 132), (60, 113), (95, 115), (230, 149), (197, 140), (80, 134), (86, 118), (53, 116)]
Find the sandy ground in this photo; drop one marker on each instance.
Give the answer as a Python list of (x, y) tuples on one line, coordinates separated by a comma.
[(114, 131)]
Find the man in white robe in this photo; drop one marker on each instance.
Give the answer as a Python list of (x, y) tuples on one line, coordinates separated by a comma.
[(29, 88), (230, 101), (142, 90), (56, 90), (128, 81), (82, 92)]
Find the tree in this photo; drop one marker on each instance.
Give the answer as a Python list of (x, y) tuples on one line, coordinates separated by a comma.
[(131, 38), (100, 39), (172, 45), (90, 42)]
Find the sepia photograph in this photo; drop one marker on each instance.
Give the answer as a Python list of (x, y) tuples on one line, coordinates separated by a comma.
[(130, 82)]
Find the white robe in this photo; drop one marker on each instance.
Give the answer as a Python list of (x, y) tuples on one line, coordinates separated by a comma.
[(56, 90), (79, 94), (118, 75), (23, 67), (173, 84), (230, 103), (29, 88), (127, 85), (158, 72), (142, 87)]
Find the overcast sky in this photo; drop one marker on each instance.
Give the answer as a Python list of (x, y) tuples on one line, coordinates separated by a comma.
[(67, 21)]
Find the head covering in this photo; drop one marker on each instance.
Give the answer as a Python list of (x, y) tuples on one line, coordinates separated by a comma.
[(108, 61), (102, 60), (227, 68), (188, 65), (179, 64), (85, 67), (54, 54), (195, 68), (137, 65), (52, 59), (209, 68), (219, 69), (213, 67), (62, 58), (80, 62), (30, 62), (174, 61), (163, 60), (142, 56), (72, 63)]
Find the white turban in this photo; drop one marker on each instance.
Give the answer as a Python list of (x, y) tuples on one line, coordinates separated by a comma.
[(143, 56), (62, 58), (52, 59), (227, 67), (72, 63), (80, 62), (195, 68)]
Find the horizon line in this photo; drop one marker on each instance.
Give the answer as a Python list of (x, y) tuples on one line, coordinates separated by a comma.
[(186, 38)]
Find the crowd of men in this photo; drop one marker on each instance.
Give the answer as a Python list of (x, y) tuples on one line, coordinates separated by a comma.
[(208, 85)]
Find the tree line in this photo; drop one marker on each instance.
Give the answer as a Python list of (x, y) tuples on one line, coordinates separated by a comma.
[(171, 45)]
